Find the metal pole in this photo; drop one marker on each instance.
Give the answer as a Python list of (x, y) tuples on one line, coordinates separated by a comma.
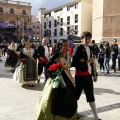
[(23, 30)]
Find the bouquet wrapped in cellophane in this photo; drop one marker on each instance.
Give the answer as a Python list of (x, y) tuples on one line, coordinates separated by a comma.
[(56, 70)]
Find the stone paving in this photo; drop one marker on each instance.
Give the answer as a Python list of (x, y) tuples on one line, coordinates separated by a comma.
[(18, 102)]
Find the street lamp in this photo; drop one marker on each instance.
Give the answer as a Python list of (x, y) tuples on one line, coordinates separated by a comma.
[(23, 31), (17, 33)]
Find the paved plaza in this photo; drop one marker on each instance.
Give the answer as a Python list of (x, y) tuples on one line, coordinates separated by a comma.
[(18, 102)]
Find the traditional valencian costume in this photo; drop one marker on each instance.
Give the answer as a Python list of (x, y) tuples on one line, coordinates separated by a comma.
[(12, 56), (26, 71), (58, 103)]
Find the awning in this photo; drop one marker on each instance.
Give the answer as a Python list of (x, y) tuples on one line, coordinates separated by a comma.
[(6, 25)]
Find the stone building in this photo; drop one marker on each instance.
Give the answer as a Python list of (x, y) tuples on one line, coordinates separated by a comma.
[(36, 29), (68, 19), (106, 20), (17, 13)]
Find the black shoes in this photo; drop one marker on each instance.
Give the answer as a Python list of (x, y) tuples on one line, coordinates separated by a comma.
[(38, 81), (12, 71), (106, 73)]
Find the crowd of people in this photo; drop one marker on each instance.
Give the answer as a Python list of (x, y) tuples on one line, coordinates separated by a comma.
[(61, 91), (107, 52)]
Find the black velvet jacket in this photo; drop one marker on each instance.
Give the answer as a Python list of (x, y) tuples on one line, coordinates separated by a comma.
[(40, 51), (80, 53)]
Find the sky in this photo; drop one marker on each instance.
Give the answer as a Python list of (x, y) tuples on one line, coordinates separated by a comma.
[(48, 4)]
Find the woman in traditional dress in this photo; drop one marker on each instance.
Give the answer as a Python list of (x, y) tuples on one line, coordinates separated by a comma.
[(26, 71), (58, 103), (12, 56)]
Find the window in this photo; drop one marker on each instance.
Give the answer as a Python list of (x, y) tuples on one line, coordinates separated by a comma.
[(47, 15), (1, 9), (55, 32), (55, 40), (50, 41), (76, 29), (38, 33), (68, 8), (76, 18), (38, 27), (24, 12), (76, 5), (11, 10), (45, 33), (61, 21), (61, 9), (44, 16), (68, 20), (49, 24), (55, 23), (61, 31), (49, 33), (44, 25), (68, 30)]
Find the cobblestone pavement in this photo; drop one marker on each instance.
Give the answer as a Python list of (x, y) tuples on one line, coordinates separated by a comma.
[(18, 102)]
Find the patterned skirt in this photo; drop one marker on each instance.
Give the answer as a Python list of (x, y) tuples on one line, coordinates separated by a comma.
[(11, 60), (26, 72), (43, 108)]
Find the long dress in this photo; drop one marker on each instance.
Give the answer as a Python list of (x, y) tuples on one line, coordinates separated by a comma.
[(56, 103), (12, 57), (26, 70)]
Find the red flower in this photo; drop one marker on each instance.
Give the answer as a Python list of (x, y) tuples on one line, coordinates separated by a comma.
[(22, 60), (8, 52), (55, 67)]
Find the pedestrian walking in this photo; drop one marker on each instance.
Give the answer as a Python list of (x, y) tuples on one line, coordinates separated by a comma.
[(21, 45), (12, 56), (83, 61), (107, 58), (114, 49), (42, 54), (58, 100), (101, 57), (26, 70), (119, 58)]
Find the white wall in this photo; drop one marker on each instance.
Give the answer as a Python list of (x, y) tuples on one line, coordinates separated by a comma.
[(86, 16), (84, 12)]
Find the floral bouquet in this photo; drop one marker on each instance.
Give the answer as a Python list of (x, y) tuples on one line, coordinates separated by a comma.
[(57, 69), (22, 60)]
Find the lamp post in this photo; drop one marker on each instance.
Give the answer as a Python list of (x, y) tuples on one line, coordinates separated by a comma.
[(23, 30), (17, 33)]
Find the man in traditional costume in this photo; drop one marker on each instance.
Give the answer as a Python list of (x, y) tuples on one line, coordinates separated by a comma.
[(42, 54), (85, 72)]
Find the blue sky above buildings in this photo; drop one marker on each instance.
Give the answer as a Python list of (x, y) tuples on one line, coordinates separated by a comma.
[(48, 4)]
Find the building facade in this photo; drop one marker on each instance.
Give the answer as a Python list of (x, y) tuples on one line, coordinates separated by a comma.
[(69, 19), (36, 29), (106, 20), (17, 13)]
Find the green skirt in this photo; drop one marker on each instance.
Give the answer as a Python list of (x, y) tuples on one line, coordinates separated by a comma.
[(43, 108)]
